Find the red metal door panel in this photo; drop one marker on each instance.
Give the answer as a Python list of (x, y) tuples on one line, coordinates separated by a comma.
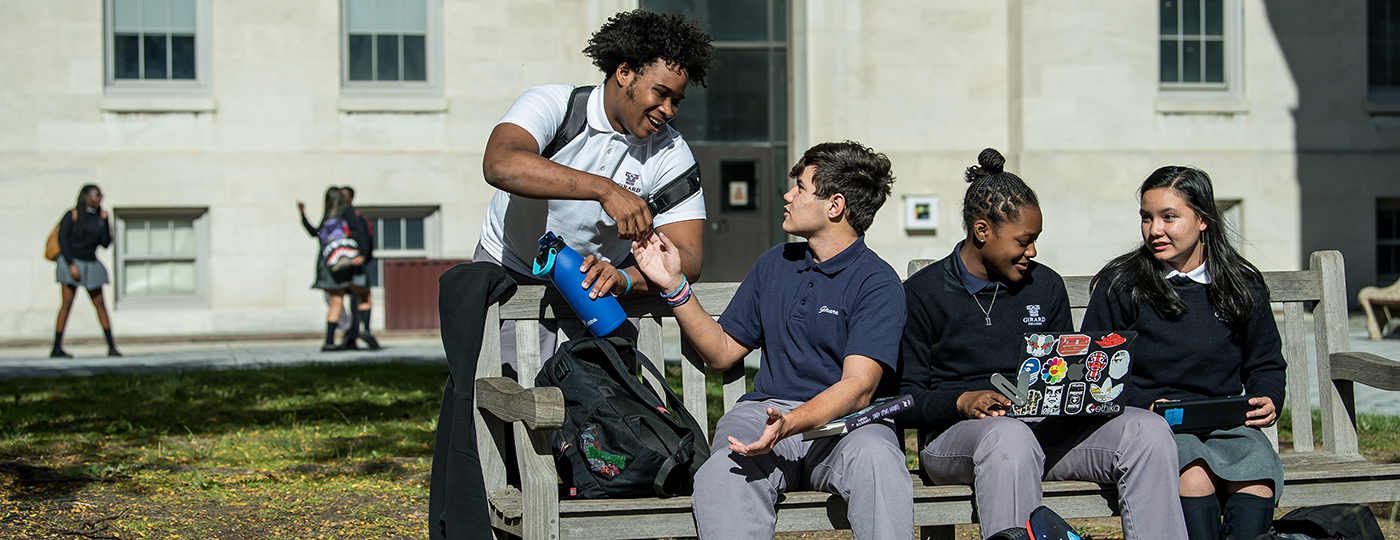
[(411, 293)]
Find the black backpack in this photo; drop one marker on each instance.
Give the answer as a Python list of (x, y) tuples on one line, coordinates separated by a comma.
[(619, 440), (665, 198)]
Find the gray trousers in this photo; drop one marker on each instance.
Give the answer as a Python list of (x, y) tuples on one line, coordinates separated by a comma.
[(1005, 459), (735, 494)]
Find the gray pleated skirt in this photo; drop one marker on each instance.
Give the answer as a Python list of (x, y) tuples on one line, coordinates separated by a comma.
[(1239, 454), (92, 274)]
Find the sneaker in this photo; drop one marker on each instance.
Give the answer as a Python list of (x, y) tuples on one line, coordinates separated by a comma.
[(113, 352), (59, 353), (331, 347)]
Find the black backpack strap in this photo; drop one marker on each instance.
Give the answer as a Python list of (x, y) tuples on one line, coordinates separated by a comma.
[(575, 120), (675, 191)]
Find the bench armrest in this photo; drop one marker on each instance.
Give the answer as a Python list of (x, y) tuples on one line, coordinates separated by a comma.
[(1366, 368), (540, 408)]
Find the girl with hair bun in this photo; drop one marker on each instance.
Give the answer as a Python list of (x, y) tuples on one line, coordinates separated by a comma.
[(967, 315), (1205, 329)]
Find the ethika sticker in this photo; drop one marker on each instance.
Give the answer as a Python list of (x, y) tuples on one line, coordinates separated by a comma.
[(1118, 367), (1105, 392), (1111, 340), (1074, 344), (1032, 406), (1174, 416), (1053, 395), (1031, 365), (1095, 364), (1075, 401), (1039, 345), (1054, 370)]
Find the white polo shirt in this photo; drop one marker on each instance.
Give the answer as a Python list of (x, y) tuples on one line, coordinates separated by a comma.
[(514, 225)]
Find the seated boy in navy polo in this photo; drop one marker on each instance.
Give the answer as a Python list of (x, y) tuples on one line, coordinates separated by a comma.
[(828, 314)]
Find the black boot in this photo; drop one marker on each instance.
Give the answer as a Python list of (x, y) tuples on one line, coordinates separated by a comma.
[(1247, 516), (58, 351), (365, 334), (1202, 517), (330, 339), (111, 345)]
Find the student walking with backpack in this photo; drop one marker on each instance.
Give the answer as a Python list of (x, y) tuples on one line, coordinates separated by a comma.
[(341, 233), (81, 230), (361, 271)]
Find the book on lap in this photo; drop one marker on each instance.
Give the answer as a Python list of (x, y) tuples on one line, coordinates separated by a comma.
[(877, 410)]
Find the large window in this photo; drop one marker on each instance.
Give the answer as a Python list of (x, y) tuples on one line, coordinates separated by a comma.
[(390, 43), (400, 233), (1199, 43), (160, 254), (1383, 48), (156, 43), (1387, 241)]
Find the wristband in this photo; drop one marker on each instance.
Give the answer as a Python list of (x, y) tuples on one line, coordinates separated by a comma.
[(675, 293), (629, 282), (681, 298)]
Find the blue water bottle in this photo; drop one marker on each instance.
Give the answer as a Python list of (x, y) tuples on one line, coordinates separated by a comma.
[(561, 263)]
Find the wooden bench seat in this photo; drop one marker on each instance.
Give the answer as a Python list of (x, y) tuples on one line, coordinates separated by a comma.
[(532, 510)]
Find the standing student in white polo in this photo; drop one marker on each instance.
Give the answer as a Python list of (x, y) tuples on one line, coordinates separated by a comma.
[(593, 191)]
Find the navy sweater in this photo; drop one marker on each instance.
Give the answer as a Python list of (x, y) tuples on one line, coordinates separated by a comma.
[(948, 350), (1198, 355)]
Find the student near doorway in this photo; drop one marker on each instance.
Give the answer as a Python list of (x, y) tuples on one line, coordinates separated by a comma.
[(593, 191), (827, 314)]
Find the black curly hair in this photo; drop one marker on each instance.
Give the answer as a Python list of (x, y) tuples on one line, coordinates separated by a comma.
[(640, 37), (994, 194)]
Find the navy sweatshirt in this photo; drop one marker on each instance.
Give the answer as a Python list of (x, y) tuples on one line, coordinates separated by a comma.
[(98, 233), (948, 349), (1198, 355)]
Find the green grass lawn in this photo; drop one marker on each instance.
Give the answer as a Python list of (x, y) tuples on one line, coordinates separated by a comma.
[(308, 452)]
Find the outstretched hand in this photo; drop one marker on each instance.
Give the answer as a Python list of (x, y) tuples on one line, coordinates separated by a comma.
[(772, 433), (659, 260)]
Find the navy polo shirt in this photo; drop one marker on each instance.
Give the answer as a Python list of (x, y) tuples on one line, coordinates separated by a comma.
[(808, 317)]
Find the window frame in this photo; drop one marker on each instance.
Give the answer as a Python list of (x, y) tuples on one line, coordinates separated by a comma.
[(432, 59), (200, 221), (1227, 97), (432, 237), (201, 82)]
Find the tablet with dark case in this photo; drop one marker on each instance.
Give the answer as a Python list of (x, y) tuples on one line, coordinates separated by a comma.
[(1203, 415)]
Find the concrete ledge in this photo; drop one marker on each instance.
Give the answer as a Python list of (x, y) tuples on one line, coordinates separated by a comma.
[(392, 104), (159, 104), (1195, 104)]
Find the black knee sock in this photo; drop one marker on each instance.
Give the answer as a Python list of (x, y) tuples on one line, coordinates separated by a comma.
[(330, 333), (354, 331), (1247, 516), (57, 341), (1202, 517), (364, 317), (107, 332)]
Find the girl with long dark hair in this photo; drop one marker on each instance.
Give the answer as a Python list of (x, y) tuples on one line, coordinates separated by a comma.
[(81, 230), (967, 317), (337, 279), (1205, 329)]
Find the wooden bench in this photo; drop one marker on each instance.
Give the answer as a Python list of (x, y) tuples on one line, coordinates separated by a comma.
[(1382, 299), (532, 509)]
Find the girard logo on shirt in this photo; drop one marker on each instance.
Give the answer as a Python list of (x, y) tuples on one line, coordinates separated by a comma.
[(630, 182), (1033, 317), (825, 309)]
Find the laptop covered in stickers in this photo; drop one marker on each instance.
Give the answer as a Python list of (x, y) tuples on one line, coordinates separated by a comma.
[(1070, 374)]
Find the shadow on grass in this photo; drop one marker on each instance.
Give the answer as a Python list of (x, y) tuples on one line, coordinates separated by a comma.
[(108, 412)]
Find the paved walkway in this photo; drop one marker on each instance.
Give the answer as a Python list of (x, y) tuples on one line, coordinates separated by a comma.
[(18, 362)]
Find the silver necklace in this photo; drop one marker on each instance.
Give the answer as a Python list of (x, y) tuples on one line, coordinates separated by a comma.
[(988, 312)]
